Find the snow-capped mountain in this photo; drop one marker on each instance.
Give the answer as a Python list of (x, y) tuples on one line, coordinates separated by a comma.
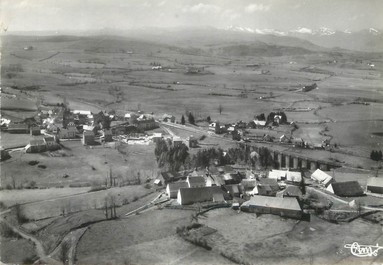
[(364, 40)]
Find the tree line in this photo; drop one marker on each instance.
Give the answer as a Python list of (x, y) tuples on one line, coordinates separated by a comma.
[(173, 158), (376, 155)]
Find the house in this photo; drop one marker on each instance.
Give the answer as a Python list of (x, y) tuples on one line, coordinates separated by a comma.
[(172, 176), (284, 139), (215, 127), (87, 138), (232, 178), (177, 141), (50, 142), (267, 138), (36, 146), (290, 191), (69, 132), (35, 130), (277, 119), (193, 142), (267, 187), (156, 137), (214, 180), (248, 186), (233, 190), (322, 177), (298, 142), (284, 207), (157, 182), (172, 188), (309, 87), (107, 135), (257, 124), (286, 175), (197, 181), (201, 194), (82, 112), (168, 118), (145, 122), (346, 189), (18, 128), (375, 185)]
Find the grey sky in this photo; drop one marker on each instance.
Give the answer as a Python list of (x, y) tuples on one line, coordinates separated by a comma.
[(31, 15)]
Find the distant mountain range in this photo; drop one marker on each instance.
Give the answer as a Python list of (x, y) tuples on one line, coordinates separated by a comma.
[(367, 40)]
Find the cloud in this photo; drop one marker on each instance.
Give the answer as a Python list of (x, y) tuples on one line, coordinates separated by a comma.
[(162, 3), (202, 9), (230, 14), (256, 7)]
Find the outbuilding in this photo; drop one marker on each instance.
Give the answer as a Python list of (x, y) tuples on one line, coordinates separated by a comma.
[(201, 194), (172, 188), (196, 181), (322, 177), (285, 207), (375, 185), (346, 189)]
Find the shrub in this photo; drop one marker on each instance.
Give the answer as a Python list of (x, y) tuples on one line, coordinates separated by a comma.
[(33, 162), (42, 166), (98, 188), (148, 186), (135, 198)]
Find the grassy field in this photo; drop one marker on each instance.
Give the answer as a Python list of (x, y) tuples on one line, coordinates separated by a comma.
[(281, 241), (75, 164), (152, 241)]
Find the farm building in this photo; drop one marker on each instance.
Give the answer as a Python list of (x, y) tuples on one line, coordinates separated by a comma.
[(233, 190), (35, 130), (257, 124), (69, 132), (18, 128), (107, 135), (286, 175), (248, 186), (195, 70), (172, 176), (285, 207), (290, 191), (214, 180), (157, 182), (82, 112), (88, 138), (197, 181), (156, 137), (375, 185), (176, 141), (172, 188), (321, 177), (193, 142), (309, 87), (36, 146), (50, 141), (168, 118), (267, 187), (145, 124), (346, 189), (200, 194)]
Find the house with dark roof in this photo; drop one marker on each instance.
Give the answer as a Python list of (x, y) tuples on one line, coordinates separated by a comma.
[(346, 189), (36, 146), (201, 194), (284, 207), (214, 180), (18, 128), (35, 130), (195, 181), (172, 188), (233, 189), (267, 187), (375, 185), (88, 138)]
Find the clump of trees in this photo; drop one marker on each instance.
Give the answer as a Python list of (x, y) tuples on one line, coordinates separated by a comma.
[(376, 155), (171, 157), (271, 116)]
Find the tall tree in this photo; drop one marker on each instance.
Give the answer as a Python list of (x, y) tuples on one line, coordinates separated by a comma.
[(191, 118), (182, 120)]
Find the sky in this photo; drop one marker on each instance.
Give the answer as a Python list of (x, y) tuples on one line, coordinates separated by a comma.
[(80, 15)]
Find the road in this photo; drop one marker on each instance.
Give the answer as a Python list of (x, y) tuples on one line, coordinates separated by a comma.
[(38, 246)]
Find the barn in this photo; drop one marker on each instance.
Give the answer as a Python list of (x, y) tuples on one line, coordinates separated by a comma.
[(285, 207), (346, 189), (322, 177), (172, 188), (200, 194), (375, 185)]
